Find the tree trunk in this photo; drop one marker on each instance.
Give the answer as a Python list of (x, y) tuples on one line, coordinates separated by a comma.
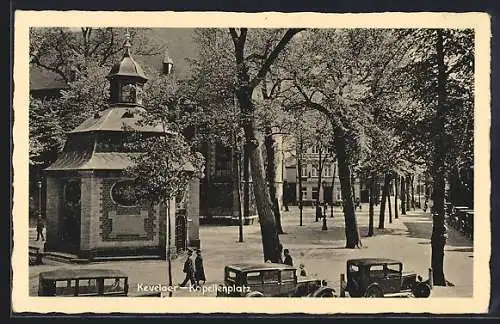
[(351, 226), (271, 176), (244, 90), (385, 195), (403, 196), (353, 189), (438, 238), (454, 188), (246, 183), (169, 249), (408, 196), (370, 209), (389, 202), (333, 184), (396, 211), (237, 208), (299, 171), (412, 180), (267, 220)]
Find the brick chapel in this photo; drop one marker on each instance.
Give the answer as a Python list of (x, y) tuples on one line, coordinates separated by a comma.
[(88, 211)]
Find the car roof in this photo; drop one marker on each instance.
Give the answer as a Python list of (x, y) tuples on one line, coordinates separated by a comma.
[(370, 261), (259, 266), (67, 274)]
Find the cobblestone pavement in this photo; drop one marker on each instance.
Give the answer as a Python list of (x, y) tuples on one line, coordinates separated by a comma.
[(322, 252)]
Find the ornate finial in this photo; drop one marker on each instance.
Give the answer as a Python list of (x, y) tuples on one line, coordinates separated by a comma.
[(127, 43)]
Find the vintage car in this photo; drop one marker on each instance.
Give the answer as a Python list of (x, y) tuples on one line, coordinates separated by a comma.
[(269, 280), (82, 282), (379, 277)]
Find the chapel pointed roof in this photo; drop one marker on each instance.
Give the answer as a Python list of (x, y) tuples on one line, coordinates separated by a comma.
[(127, 67)]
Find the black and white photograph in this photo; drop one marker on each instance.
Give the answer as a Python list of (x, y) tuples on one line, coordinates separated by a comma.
[(332, 157)]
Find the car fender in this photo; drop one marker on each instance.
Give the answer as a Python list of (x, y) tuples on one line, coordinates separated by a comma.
[(322, 291), (254, 294)]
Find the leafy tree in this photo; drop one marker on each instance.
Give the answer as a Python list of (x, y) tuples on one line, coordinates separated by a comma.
[(60, 50), (439, 78), (51, 119), (165, 162), (238, 62), (340, 78), (248, 77)]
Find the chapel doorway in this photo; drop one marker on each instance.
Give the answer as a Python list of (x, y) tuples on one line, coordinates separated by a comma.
[(71, 216)]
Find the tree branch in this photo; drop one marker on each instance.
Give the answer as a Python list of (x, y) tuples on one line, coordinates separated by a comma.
[(36, 60), (272, 57)]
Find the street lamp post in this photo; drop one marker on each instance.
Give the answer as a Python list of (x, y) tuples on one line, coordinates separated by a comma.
[(39, 184), (324, 228)]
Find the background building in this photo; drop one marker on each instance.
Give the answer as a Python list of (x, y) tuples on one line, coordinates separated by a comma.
[(329, 190)]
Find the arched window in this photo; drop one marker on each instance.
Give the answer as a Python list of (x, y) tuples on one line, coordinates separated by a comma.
[(128, 93)]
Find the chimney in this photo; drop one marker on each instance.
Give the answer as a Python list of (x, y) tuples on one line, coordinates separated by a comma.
[(168, 63)]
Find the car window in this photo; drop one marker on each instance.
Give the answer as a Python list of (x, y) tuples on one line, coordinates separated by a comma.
[(394, 268), (287, 275), (65, 287), (87, 287), (377, 271), (231, 275), (253, 278), (112, 285), (270, 276)]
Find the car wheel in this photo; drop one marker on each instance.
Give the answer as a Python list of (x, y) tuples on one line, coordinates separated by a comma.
[(324, 292), (254, 294), (374, 292), (422, 290)]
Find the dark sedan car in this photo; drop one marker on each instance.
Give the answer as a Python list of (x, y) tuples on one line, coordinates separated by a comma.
[(380, 277), (269, 280)]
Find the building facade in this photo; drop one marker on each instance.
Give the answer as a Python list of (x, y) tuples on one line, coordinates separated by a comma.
[(329, 189)]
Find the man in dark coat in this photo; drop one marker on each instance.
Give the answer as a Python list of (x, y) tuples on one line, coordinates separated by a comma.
[(39, 229), (199, 270), (288, 259), (189, 270)]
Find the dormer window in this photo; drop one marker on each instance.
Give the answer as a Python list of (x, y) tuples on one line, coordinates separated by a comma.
[(128, 114)]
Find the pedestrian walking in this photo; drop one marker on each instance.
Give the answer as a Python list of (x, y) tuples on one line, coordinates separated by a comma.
[(39, 229), (189, 270), (199, 269), (280, 248), (288, 258), (358, 203)]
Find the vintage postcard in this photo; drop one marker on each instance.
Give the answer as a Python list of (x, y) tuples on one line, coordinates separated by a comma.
[(186, 162)]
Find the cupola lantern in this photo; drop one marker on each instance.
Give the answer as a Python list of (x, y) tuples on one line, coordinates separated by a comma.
[(126, 79)]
